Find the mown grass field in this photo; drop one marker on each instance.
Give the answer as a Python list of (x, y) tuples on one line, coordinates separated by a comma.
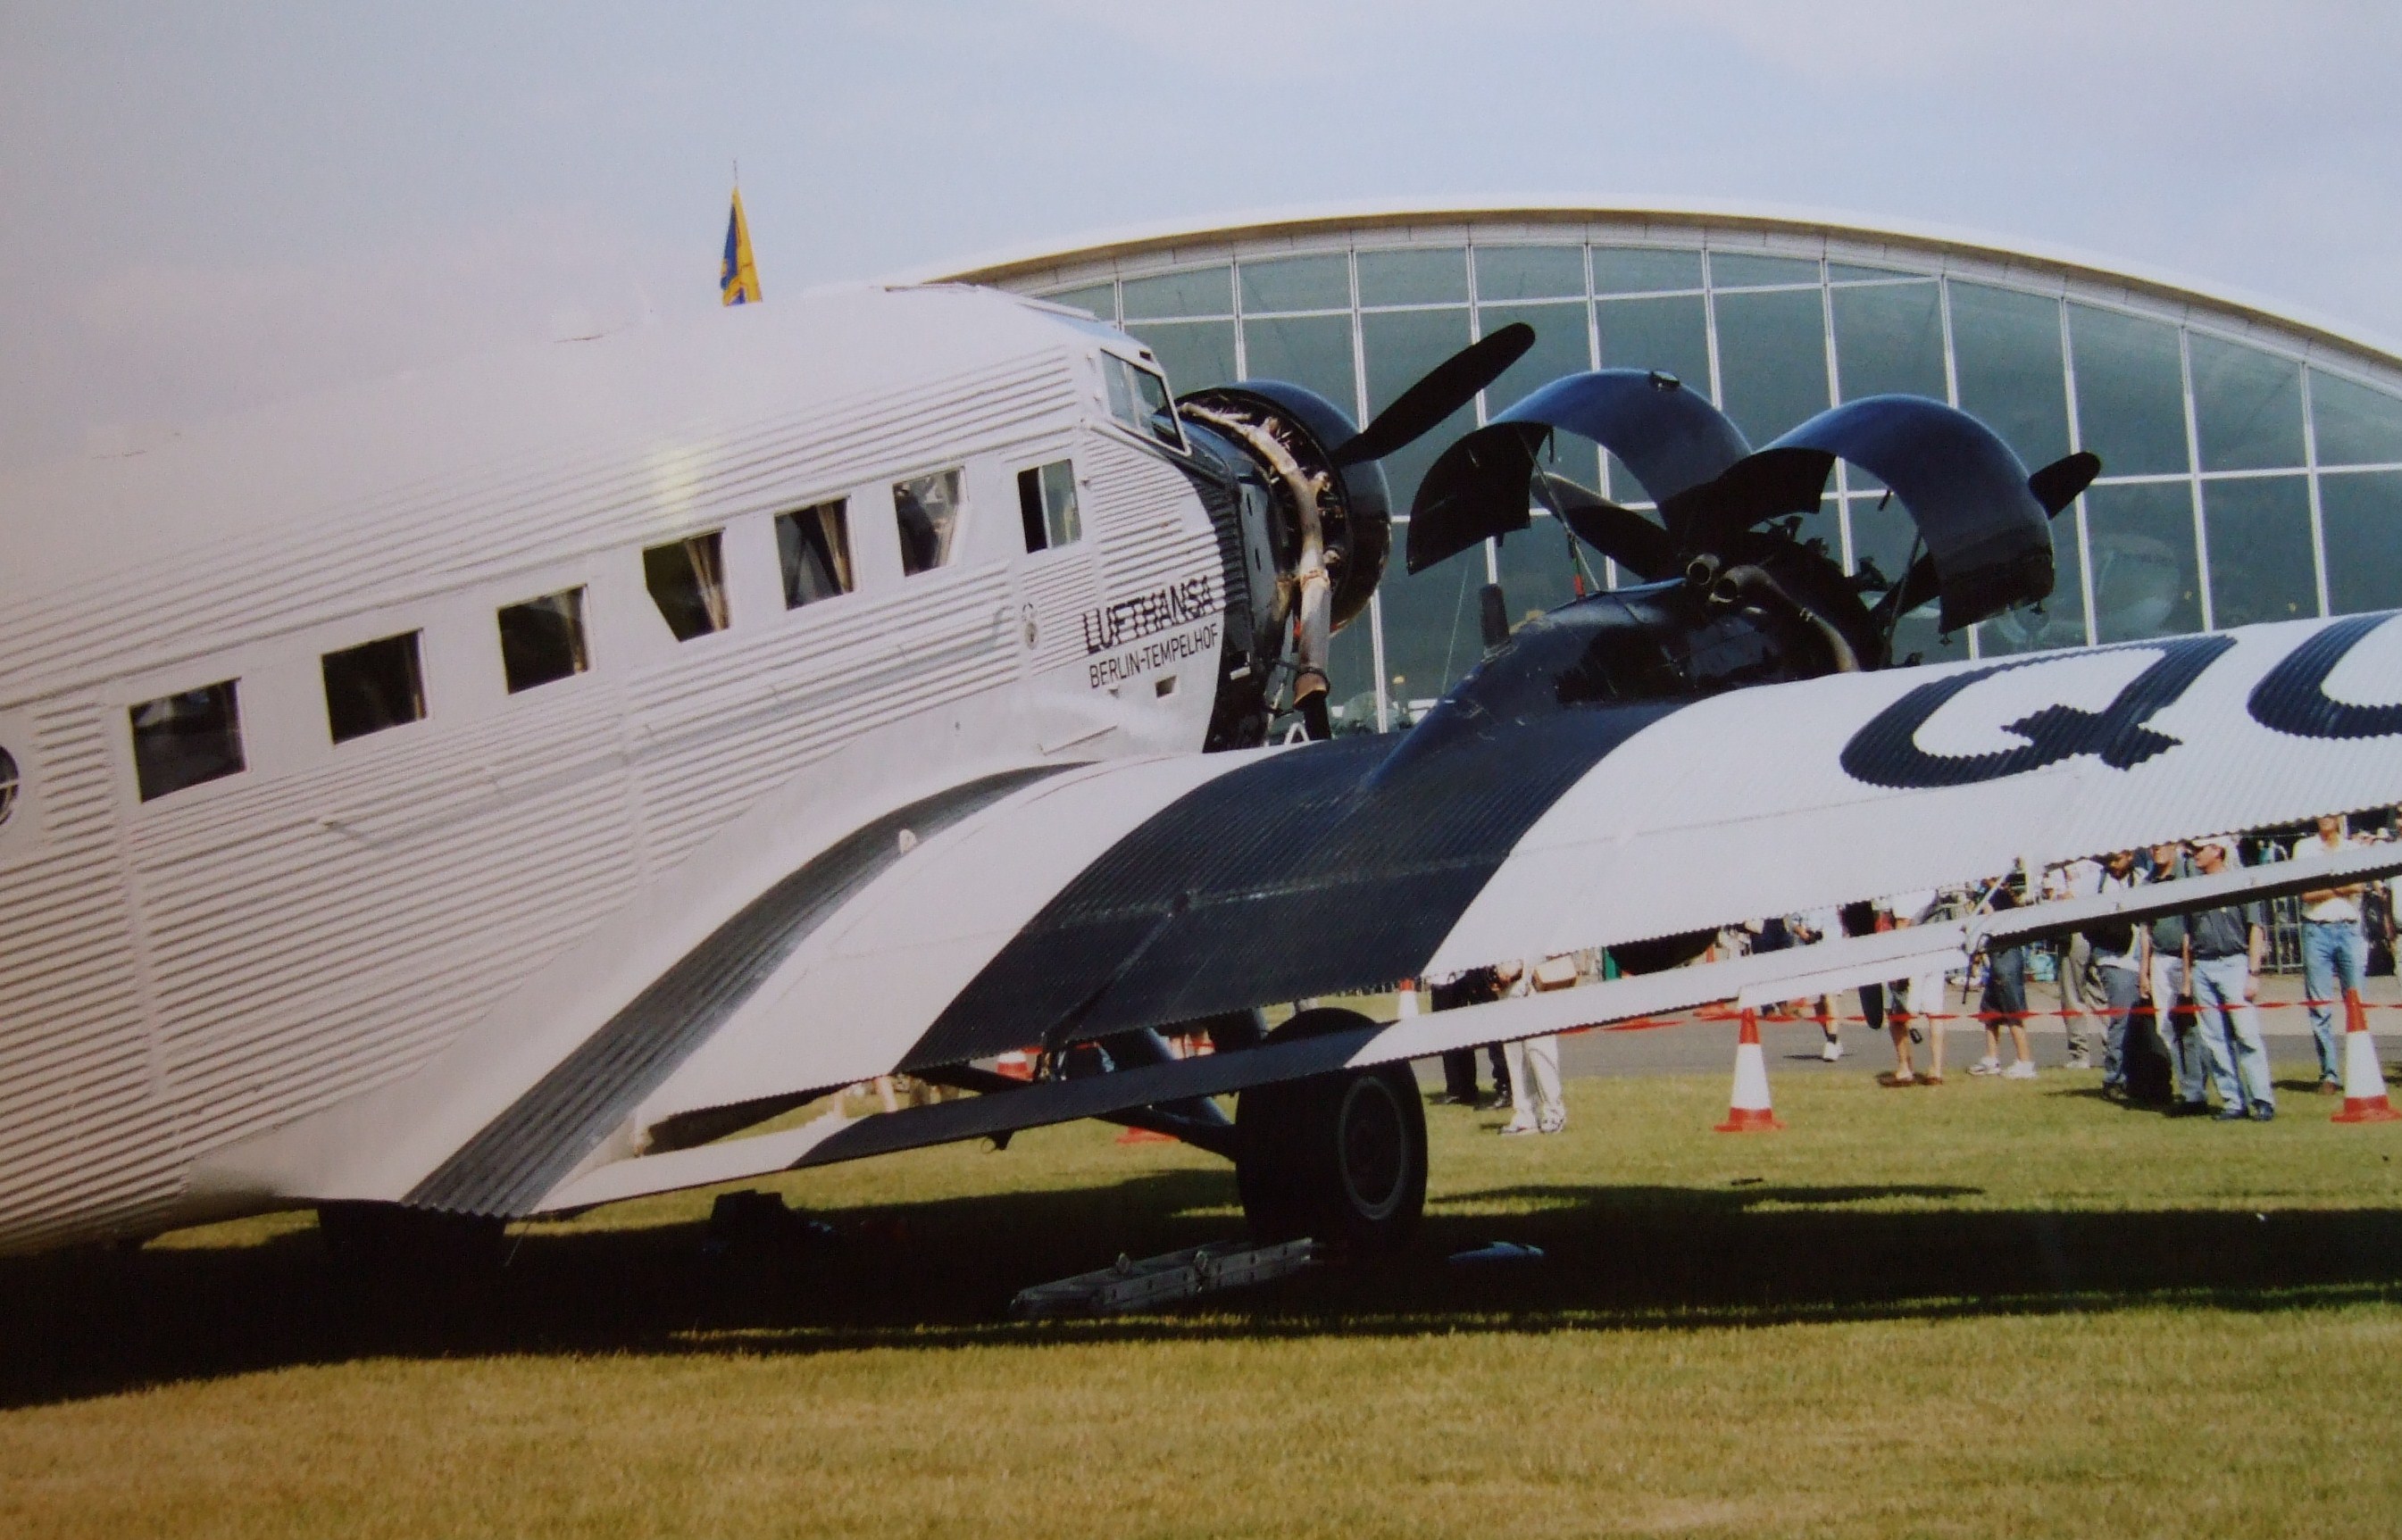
[(1985, 1309)]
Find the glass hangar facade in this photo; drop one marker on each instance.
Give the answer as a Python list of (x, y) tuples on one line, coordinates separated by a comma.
[(2251, 465)]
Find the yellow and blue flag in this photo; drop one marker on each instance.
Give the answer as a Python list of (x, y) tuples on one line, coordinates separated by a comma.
[(738, 279)]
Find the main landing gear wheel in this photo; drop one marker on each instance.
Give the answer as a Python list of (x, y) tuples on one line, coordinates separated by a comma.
[(1339, 1157)]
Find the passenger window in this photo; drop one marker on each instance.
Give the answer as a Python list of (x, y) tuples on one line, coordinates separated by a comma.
[(543, 640), (183, 740), (374, 686), (1046, 502), (1140, 399), (928, 508), (8, 786), (687, 582), (815, 546)]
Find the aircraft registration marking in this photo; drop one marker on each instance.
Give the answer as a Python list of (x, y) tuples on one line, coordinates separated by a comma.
[(1195, 641), (1113, 625)]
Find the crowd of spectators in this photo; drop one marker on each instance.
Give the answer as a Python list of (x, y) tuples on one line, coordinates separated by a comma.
[(2167, 1008)]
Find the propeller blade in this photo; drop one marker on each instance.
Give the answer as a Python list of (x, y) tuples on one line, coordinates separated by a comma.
[(2056, 485), (1970, 496), (1621, 534), (1475, 489), (1446, 388)]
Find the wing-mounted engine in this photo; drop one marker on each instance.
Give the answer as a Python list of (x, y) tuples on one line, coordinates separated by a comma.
[(1982, 521), (1304, 522)]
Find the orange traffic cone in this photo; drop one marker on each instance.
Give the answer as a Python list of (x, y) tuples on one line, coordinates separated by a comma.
[(1747, 1111), (1405, 1000), (2364, 1080)]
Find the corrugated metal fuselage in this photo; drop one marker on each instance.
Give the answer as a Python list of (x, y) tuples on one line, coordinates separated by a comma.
[(181, 975)]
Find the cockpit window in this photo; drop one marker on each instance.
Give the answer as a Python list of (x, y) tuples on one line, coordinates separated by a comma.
[(373, 686), (928, 508), (1115, 375), (1140, 399), (543, 640), (1159, 408), (814, 543), (687, 582), (8, 786), (1046, 504), (182, 741)]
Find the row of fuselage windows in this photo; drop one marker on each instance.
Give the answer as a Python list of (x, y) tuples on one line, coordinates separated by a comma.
[(194, 735)]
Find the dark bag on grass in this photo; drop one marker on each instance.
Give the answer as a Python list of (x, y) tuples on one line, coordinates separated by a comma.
[(2150, 1081)]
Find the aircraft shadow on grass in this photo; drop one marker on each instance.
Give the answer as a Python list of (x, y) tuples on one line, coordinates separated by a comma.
[(940, 1274)]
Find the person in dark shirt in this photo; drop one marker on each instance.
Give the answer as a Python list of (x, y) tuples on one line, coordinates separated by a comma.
[(2224, 947), (1475, 986)]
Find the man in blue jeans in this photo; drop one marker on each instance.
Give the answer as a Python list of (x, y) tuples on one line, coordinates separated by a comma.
[(2334, 954), (2224, 948)]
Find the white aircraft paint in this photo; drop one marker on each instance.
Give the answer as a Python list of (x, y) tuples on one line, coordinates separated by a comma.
[(451, 904)]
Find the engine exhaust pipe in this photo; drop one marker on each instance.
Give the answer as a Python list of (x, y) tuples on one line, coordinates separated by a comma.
[(1756, 584)]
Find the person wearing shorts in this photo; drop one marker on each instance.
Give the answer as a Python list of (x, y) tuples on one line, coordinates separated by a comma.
[(1921, 1000)]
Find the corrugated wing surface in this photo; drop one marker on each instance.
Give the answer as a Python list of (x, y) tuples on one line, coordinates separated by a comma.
[(1333, 867)]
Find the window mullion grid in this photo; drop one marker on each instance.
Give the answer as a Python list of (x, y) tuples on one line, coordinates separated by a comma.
[(1952, 398), (1377, 657), (2193, 480), (1592, 361), (1835, 395), (1235, 279), (1360, 407), (2077, 444), (1475, 332), (1710, 325), (2318, 524)]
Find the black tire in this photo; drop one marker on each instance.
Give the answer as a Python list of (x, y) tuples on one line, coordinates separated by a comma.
[(1341, 1158)]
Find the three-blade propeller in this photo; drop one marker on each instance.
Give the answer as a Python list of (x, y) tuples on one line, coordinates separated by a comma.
[(1982, 517)]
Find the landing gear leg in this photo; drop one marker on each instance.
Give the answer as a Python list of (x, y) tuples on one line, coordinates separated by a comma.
[(1340, 1156)]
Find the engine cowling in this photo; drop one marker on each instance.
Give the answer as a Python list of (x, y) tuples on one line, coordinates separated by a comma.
[(1304, 542)]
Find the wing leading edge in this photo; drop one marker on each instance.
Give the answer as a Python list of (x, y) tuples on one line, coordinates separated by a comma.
[(1356, 864)]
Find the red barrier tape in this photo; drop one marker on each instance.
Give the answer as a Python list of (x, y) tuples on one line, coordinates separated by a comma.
[(2183, 1005)]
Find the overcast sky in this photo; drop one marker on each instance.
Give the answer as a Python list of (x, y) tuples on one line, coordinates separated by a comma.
[(206, 207)]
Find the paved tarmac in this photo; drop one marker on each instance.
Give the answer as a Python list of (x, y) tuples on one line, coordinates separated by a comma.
[(1695, 1042)]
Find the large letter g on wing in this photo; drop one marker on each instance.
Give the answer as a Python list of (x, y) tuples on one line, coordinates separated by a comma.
[(2292, 697), (1885, 752)]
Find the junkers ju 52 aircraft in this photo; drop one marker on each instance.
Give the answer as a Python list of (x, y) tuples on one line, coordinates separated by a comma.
[(491, 793)]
